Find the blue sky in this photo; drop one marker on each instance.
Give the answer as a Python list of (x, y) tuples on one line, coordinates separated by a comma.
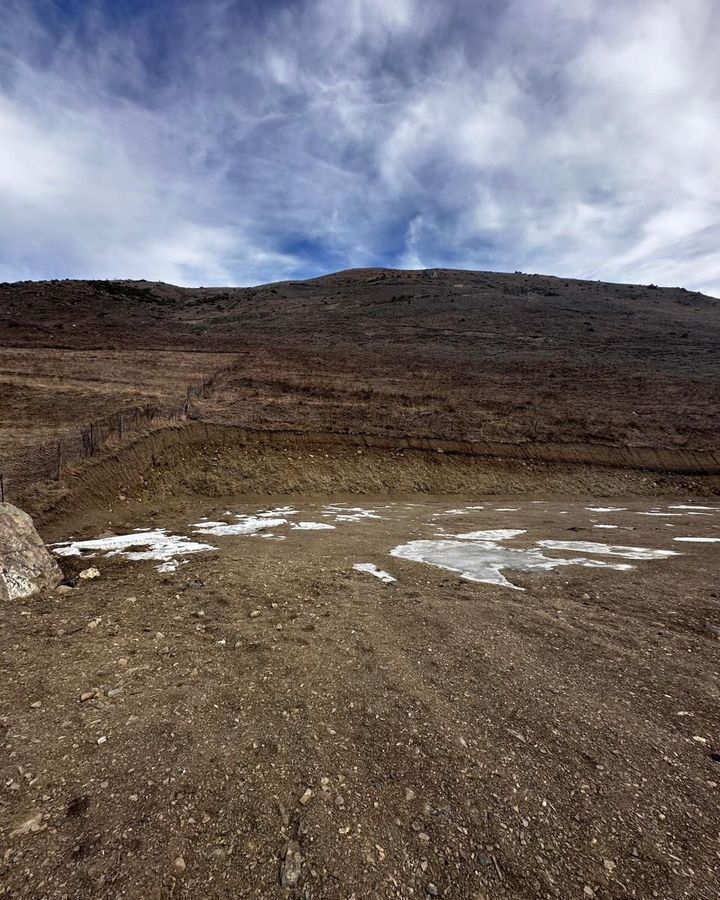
[(222, 142)]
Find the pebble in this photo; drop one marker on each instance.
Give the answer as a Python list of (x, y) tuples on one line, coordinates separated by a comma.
[(254, 614), (123, 662), (101, 740), (180, 864), (88, 574), (409, 794), (306, 797), (36, 705), (63, 589), (431, 890), (88, 695), (115, 692)]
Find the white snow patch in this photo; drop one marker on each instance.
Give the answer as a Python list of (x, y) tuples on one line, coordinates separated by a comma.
[(246, 525), (311, 526), (664, 514), (684, 506), (606, 508), (159, 545), (507, 509), (608, 549), (698, 540), (605, 526), (349, 513), (372, 569), (496, 534)]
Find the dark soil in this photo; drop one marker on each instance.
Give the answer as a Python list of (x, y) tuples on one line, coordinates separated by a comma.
[(456, 738)]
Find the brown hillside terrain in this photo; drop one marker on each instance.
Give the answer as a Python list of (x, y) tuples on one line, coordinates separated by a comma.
[(469, 355)]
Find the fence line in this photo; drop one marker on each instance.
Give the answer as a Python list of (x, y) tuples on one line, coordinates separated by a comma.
[(46, 461)]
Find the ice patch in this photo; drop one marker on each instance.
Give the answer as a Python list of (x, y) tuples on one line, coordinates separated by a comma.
[(606, 508), (607, 549), (605, 526), (246, 525), (507, 509), (698, 540), (311, 526), (278, 511), (349, 513), (372, 569), (483, 560), (664, 514), (497, 534), (683, 506), (160, 546)]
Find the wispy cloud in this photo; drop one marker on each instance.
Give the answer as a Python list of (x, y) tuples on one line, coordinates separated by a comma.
[(226, 142)]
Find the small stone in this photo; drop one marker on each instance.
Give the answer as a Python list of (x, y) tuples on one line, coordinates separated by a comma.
[(424, 838), (88, 695), (36, 705), (123, 662), (30, 825), (431, 890), (409, 795), (180, 864), (101, 740), (63, 589), (588, 891), (609, 865), (89, 574), (115, 692), (254, 614), (306, 797), (278, 627), (291, 865)]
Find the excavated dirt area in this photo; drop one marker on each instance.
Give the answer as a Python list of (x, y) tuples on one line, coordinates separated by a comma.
[(261, 719)]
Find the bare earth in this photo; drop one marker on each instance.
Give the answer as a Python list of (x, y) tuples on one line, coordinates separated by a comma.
[(268, 716), (260, 719)]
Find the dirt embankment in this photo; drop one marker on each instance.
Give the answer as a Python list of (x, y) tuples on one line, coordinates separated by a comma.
[(215, 460)]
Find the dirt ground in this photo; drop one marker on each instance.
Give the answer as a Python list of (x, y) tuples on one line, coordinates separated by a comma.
[(267, 722)]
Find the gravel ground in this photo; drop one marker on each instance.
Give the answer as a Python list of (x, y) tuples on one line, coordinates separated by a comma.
[(268, 722)]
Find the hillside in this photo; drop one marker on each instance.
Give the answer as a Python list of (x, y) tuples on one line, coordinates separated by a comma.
[(438, 353)]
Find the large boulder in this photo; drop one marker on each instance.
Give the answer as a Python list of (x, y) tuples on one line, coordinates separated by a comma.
[(26, 566)]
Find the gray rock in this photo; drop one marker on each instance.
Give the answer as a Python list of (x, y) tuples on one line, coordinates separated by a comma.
[(26, 566), (291, 865)]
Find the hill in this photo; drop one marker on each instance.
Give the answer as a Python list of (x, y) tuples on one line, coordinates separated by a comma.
[(471, 355)]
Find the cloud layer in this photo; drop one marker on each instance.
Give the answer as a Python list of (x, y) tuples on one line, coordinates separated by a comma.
[(223, 142)]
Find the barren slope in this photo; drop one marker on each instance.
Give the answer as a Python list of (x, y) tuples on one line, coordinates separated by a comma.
[(441, 353)]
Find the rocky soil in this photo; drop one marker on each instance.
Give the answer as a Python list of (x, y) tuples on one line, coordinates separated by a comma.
[(267, 722)]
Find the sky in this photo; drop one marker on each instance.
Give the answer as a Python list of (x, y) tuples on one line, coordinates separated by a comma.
[(224, 142)]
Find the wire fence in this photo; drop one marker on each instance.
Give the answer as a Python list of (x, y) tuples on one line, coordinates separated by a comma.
[(47, 461)]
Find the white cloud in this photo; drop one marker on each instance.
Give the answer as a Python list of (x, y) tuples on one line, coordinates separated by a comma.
[(579, 139)]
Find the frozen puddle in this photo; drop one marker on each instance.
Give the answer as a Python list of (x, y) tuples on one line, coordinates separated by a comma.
[(608, 549), (372, 569), (159, 545), (476, 559)]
